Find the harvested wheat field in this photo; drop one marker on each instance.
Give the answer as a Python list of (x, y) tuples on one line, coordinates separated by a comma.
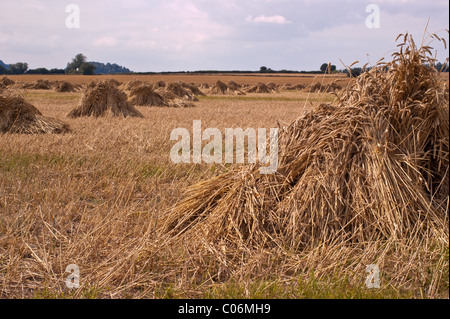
[(200, 79), (362, 179)]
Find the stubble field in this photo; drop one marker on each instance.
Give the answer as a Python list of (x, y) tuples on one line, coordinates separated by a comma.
[(93, 198)]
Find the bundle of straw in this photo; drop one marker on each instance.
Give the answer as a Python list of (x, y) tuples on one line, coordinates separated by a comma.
[(103, 98), (220, 88), (372, 168), (38, 85), (181, 90), (145, 95), (259, 88), (64, 86), (18, 116), (6, 81)]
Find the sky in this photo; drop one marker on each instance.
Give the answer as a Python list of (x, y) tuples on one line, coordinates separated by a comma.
[(190, 35)]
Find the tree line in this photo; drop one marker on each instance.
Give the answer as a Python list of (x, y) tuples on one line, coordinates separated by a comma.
[(78, 65)]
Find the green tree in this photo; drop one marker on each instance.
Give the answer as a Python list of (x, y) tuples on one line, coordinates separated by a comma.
[(327, 68), (87, 69), (18, 68), (39, 71), (3, 70), (79, 65), (75, 65), (57, 71), (263, 69)]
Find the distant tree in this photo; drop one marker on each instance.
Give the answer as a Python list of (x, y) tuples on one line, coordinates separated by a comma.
[(57, 71), (75, 65), (6, 66), (263, 69), (38, 71), (18, 68), (108, 68), (324, 68), (441, 67), (87, 69), (80, 66), (355, 72), (45, 71), (3, 70)]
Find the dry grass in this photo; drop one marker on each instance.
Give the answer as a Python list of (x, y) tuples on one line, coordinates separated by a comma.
[(96, 197)]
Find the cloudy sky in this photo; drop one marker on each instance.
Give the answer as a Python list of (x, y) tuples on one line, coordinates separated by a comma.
[(189, 35)]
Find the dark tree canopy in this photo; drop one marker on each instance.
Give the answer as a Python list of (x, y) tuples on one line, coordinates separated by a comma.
[(80, 66), (3, 70), (327, 68), (18, 68), (324, 67), (46, 71), (87, 69), (109, 68), (76, 63)]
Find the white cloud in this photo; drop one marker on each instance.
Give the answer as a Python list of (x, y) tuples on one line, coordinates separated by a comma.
[(106, 42), (4, 38), (276, 19), (134, 4)]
